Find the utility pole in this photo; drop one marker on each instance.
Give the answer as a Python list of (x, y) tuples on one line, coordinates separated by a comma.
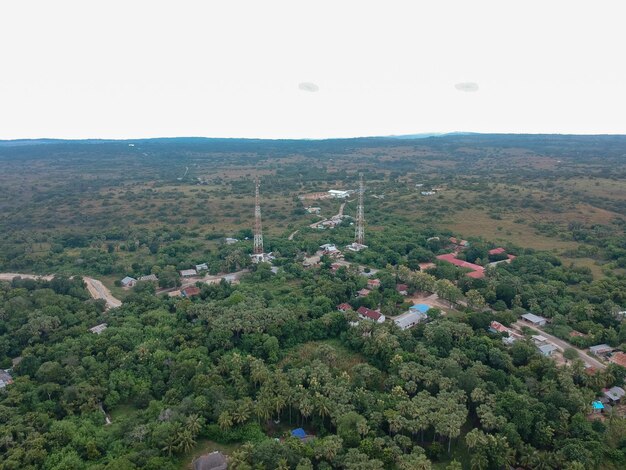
[(258, 230), (359, 233)]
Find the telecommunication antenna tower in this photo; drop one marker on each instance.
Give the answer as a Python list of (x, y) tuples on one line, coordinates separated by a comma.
[(359, 233), (258, 230)]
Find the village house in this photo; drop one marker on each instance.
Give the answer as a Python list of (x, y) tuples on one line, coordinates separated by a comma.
[(363, 292), (202, 267), (547, 349), (618, 358), (230, 241), (98, 328), (402, 289), (497, 327), (128, 281), (614, 394), (314, 210), (5, 378), (373, 284), (477, 272), (149, 278), (600, 349), (459, 244), (189, 292), (534, 319), (188, 273), (344, 307), (375, 315)]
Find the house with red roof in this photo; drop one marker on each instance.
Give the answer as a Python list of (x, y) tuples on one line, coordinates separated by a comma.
[(369, 314), (402, 289), (477, 272), (344, 307), (373, 283), (189, 292), (364, 292)]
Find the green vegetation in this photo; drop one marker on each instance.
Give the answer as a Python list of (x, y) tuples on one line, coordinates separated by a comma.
[(240, 365)]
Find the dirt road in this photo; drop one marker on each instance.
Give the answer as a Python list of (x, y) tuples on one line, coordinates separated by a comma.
[(563, 345), (96, 289), (10, 276), (290, 237)]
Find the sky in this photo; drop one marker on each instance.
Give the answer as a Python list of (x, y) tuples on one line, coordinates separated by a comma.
[(309, 69)]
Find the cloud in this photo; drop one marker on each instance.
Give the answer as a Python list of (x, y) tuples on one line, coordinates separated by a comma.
[(467, 86), (308, 86)]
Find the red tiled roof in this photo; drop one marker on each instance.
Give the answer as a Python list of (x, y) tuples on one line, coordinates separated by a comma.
[(477, 271), (364, 292), (366, 312), (476, 274), (497, 251), (344, 306), (499, 327), (402, 287), (618, 358), (373, 282), (190, 291)]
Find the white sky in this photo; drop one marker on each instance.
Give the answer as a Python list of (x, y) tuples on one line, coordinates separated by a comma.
[(134, 68)]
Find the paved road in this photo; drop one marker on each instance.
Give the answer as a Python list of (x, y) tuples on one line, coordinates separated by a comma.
[(96, 289), (563, 345)]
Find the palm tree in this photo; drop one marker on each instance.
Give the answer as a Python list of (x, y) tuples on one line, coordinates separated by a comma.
[(479, 461), (225, 420), (242, 413), (186, 441), (194, 424), (170, 445)]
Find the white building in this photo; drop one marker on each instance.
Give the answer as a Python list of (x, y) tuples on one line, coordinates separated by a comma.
[(231, 241), (410, 319), (339, 194), (202, 267), (98, 328), (355, 246), (188, 273)]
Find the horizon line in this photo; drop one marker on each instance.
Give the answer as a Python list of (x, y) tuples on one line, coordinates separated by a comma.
[(418, 135)]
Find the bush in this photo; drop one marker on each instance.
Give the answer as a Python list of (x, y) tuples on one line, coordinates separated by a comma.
[(250, 432)]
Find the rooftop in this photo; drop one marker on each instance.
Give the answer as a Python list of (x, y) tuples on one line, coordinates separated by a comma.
[(369, 313), (531, 317), (477, 271), (406, 320), (618, 358)]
